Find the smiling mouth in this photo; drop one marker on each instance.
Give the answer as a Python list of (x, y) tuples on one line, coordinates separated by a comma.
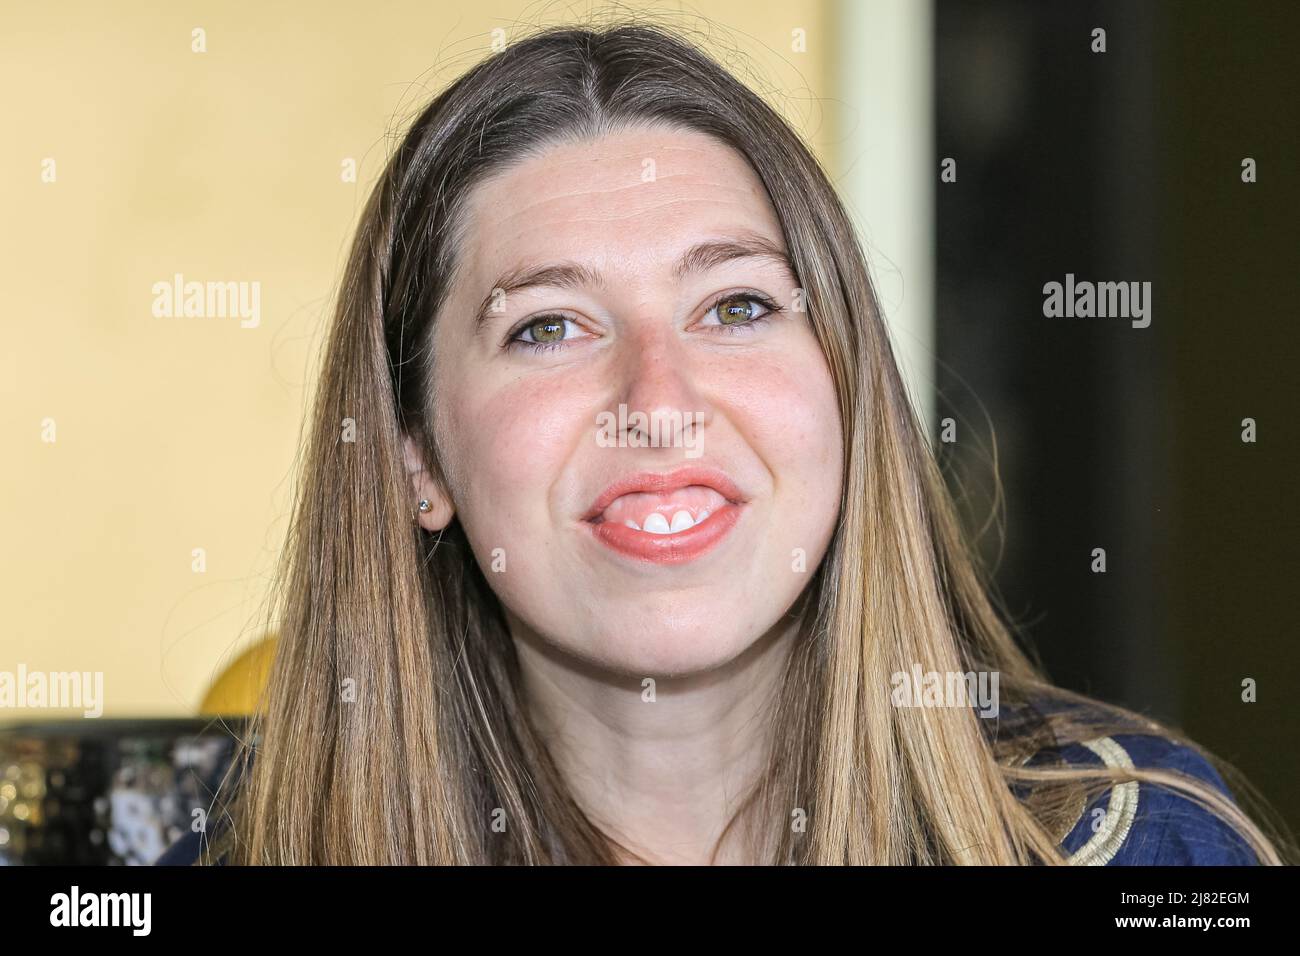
[(664, 514), (666, 519)]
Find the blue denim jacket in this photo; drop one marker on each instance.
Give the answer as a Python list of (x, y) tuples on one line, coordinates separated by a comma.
[(1137, 824)]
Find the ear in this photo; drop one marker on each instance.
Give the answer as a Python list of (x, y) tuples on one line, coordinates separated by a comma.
[(440, 510)]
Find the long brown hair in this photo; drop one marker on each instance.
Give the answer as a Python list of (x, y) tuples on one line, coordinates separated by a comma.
[(393, 729)]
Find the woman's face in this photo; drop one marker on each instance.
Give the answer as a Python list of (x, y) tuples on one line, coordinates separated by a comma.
[(648, 478)]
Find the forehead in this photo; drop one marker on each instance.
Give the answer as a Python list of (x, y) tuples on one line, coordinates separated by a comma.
[(632, 199)]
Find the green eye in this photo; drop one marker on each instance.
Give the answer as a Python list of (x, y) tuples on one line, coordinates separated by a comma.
[(544, 333), (547, 330), (737, 309)]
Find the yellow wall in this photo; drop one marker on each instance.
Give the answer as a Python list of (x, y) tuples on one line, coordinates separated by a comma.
[(179, 433)]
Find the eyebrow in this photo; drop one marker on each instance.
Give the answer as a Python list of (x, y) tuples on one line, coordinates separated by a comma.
[(570, 275)]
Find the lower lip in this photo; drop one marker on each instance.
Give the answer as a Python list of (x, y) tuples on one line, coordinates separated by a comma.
[(669, 548)]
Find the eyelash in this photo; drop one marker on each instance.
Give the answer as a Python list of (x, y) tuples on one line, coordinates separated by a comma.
[(745, 295)]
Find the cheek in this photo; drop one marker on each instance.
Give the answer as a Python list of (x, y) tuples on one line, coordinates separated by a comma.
[(788, 411), (509, 444), (787, 405)]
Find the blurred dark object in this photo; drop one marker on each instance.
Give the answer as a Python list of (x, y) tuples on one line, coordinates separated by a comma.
[(1124, 166), (107, 792)]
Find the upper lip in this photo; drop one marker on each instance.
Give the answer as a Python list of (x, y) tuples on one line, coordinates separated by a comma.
[(665, 483)]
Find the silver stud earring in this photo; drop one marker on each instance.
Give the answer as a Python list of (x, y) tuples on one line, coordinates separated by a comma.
[(425, 506)]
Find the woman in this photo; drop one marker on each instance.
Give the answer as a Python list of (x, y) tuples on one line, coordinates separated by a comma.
[(618, 540)]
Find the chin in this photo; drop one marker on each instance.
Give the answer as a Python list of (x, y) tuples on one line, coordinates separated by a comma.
[(672, 646)]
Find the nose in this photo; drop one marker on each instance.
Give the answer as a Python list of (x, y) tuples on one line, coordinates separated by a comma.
[(659, 380)]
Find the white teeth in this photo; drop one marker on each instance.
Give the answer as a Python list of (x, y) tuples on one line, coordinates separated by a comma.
[(657, 524)]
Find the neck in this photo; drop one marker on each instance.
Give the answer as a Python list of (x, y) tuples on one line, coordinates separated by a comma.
[(663, 774)]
